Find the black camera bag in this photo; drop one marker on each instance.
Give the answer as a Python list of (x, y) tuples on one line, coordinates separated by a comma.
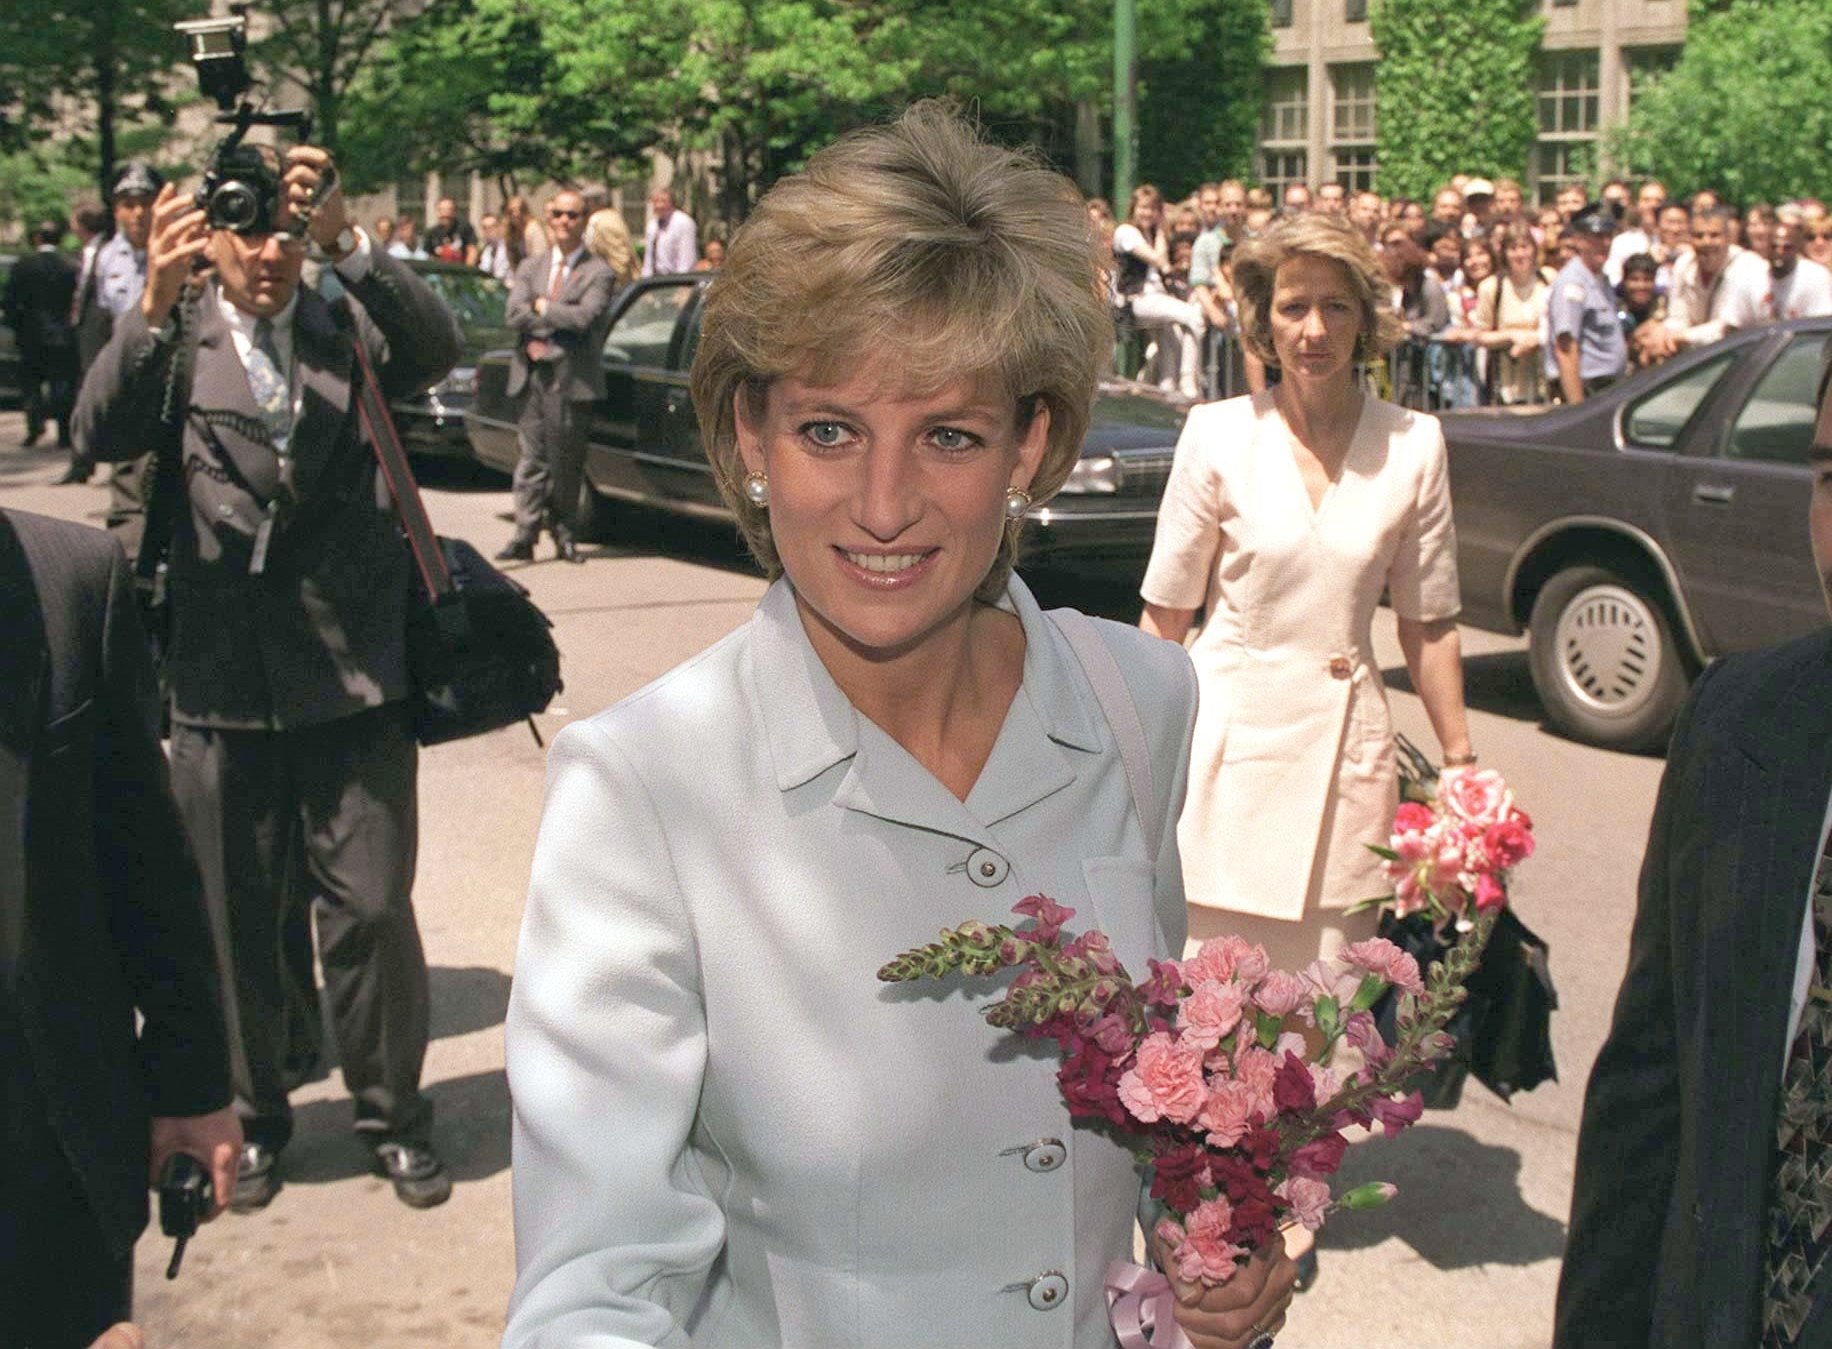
[(480, 652)]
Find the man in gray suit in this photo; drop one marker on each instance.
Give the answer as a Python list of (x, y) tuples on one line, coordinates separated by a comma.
[(293, 755), (559, 306)]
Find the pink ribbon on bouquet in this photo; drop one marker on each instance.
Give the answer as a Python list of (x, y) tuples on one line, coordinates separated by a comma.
[(1142, 1308)]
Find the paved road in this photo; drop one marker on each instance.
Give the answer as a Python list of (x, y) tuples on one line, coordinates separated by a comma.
[(1467, 1256)]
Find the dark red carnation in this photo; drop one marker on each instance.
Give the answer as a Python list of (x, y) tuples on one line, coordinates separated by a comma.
[(1177, 1177), (1292, 1089), (1089, 1080), (1320, 1157), (1255, 1214), (1260, 1146)]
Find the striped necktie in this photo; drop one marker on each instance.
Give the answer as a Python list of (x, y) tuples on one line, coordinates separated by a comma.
[(1800, 1208)]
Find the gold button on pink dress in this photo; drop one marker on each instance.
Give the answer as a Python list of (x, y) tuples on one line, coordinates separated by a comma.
[(1292, 768)]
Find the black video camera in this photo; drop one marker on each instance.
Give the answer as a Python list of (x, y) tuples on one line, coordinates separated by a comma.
[(241, 187)]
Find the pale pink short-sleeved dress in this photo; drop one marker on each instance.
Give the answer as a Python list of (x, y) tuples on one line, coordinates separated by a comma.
[(1292, 769)]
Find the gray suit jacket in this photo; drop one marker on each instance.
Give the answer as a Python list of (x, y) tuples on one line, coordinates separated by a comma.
[(1674, 1156), (573, 325), (320, 633), (101, 910)]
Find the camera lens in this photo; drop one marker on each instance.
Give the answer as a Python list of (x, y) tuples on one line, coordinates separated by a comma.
[(234, 206)]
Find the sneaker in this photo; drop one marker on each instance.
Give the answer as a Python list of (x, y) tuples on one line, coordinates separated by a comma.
[(418, 1174), (257, 1178)]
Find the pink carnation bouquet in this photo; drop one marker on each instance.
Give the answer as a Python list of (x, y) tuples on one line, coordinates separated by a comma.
[(1217, 1072), (1454, 847)]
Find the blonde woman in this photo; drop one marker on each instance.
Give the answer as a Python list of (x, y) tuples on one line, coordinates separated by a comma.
[(726, 1131), (1286, 516), (607, 236)]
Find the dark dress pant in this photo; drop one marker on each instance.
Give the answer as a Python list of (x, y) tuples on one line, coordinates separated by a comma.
[(324, 816), (47, 378), (552, 433)]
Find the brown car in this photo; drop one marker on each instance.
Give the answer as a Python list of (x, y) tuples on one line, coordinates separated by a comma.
[(1640, 534)]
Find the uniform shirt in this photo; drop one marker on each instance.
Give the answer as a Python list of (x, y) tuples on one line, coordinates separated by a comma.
[(1583, 306), (120, 275), (1804, 293), (673, 246), (1738, 297)]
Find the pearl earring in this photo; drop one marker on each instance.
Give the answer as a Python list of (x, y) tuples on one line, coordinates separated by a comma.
[(757, 490), (1017, 501)]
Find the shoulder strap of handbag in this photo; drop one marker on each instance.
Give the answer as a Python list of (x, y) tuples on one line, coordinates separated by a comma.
[(1116, 704), (378, 427)]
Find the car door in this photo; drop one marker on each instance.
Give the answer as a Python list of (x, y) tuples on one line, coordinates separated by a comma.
[(627, 456), (1737, 505), (691, 476)]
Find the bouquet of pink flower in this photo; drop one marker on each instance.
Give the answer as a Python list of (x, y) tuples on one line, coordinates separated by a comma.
[(1206, 1069), (1452, 851)]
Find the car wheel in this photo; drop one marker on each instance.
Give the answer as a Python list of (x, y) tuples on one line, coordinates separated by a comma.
[(1604, 660)]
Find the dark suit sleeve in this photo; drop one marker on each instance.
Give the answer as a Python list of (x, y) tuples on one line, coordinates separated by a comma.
[(412, 335), (578, 316), (123, 395), (154, 897), (1628, 1142)]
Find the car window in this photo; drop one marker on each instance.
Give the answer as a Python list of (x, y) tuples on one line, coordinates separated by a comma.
[(1776, 424), (1656, 420), (642, 332)]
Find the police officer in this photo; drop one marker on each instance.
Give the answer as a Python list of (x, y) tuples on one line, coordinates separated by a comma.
[(1587, 352), (111, 288)]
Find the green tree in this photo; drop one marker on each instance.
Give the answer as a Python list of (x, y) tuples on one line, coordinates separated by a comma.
[(322, 46), (37, 186), (1745, 109), (1199, 114), (1454, 91), (91, 69)]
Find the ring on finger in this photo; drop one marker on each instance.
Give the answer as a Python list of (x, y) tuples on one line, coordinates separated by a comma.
[(1259, 1337)]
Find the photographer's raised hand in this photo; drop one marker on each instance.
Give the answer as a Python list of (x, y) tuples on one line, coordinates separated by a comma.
[(310, 188), (179, 235)]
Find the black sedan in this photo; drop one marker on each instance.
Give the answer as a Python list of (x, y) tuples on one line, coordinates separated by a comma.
[(1640, 534), (432, 423), (644, 442), (9, 347)]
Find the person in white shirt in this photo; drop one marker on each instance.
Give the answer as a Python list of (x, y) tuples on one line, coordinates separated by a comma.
[(1717, 287), (1141, 256), (1799, 288), (671, 243), (1642, 234), (493, 257)]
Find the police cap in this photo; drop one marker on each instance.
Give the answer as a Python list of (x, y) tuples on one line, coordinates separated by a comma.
[(1595, 219), (137, 178)]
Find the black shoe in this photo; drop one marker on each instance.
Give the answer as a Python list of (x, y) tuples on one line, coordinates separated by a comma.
[(418, 1174), (1307, 1270), (77, 472), (32, 433), (518, 550), (566, 549), (257, 1178)]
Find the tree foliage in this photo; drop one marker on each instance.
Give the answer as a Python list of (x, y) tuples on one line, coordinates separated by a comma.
[(1199, 112), (323, 46), (94, 70), (1745, 110), (1454, 91)]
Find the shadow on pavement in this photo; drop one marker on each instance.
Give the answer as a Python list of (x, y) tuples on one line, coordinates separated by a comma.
[(467, 998), (1499, 682), (1459, 1202), (451, 474), (470, 1129)]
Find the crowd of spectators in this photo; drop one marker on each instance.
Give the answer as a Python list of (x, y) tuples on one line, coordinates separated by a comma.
[(1472, 272)]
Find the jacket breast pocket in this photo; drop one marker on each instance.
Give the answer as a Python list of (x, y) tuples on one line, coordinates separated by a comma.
[(70, 733), (1123, 892)]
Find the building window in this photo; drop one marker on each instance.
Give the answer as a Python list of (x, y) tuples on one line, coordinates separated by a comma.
[(1355, 11), (1281, 13), (1285, 130), (1647, 63), (1351, 126), (1568, 119), (1353, 166), (410, 196)]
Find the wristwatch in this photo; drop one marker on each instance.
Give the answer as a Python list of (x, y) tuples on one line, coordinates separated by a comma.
[(344, 244)]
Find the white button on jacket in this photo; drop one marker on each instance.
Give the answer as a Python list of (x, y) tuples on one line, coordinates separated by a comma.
[(727, 1131)]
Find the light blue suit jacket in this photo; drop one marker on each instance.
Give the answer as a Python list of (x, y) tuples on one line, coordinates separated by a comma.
[(727, 1131)]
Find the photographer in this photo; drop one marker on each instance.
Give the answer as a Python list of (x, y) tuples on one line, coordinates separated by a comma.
[(292, 751)]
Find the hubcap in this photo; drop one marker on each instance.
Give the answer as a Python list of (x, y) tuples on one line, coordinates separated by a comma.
[(1609, 650)]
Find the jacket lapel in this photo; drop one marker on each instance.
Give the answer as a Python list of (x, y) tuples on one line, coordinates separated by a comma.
[(221, 399), (24, 669), (1774, 785)]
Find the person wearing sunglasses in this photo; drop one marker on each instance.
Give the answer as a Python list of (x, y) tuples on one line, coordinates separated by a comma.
[(559, 307)]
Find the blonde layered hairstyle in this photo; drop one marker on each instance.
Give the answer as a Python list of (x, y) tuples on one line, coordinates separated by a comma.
[(607, 236), (923, 247), (1314, 235)]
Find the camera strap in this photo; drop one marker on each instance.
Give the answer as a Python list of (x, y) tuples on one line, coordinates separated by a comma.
[(378, 426)]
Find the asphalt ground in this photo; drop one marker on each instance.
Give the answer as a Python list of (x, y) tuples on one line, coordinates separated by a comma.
[(1466, 1256)]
